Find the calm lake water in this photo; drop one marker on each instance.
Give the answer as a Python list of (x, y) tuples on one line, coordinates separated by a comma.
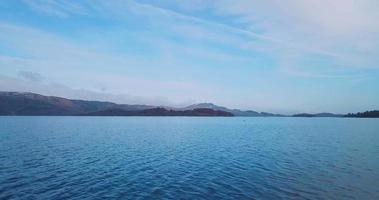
[(188, 158)]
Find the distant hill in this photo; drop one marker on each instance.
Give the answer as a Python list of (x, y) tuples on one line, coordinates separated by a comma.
[(26, 103), (16, 103), (204, 105), (317, 115), (303, 115), (161, 112), (367, 114), (235, 112), (328, 115), (20, 103)]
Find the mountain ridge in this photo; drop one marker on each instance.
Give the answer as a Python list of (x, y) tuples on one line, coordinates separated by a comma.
[(28, 103)]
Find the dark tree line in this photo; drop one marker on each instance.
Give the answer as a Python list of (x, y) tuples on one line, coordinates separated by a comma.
[(367, 114)]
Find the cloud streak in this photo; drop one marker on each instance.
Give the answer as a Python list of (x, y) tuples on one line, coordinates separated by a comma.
[(193, 52), (58, 8)]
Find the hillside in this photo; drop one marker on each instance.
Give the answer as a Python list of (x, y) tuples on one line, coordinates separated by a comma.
[(17, 103), (235, 112)]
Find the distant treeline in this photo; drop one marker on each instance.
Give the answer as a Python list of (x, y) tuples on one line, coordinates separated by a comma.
[(367, 114), (161, 112)]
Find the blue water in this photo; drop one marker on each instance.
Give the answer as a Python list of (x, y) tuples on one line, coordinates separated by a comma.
[(188, 158)]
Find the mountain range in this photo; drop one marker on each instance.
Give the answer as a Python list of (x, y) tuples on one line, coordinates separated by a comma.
[(20, 103), (26, 103), (159, 111)]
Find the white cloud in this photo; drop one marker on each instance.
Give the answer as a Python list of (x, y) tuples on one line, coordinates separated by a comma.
[(321, 16), (345, 29), (311, 39), (72, 64)]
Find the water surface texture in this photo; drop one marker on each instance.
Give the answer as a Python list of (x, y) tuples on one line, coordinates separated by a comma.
[(188, 158)]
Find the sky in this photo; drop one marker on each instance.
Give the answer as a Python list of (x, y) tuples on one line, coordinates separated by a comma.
[(275, 56)]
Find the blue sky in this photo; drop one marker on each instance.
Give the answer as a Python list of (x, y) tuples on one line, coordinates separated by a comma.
[(277, 56)]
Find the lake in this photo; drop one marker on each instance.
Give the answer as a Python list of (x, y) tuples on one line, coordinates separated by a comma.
[(188, 158)]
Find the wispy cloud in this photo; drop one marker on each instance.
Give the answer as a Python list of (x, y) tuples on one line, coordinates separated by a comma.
[(58, 8), (303, 34), (346, 30), (119, 8), (200, 50), (76, 63)]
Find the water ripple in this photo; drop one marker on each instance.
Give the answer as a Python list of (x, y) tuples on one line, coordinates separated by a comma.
[(188, 158)]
